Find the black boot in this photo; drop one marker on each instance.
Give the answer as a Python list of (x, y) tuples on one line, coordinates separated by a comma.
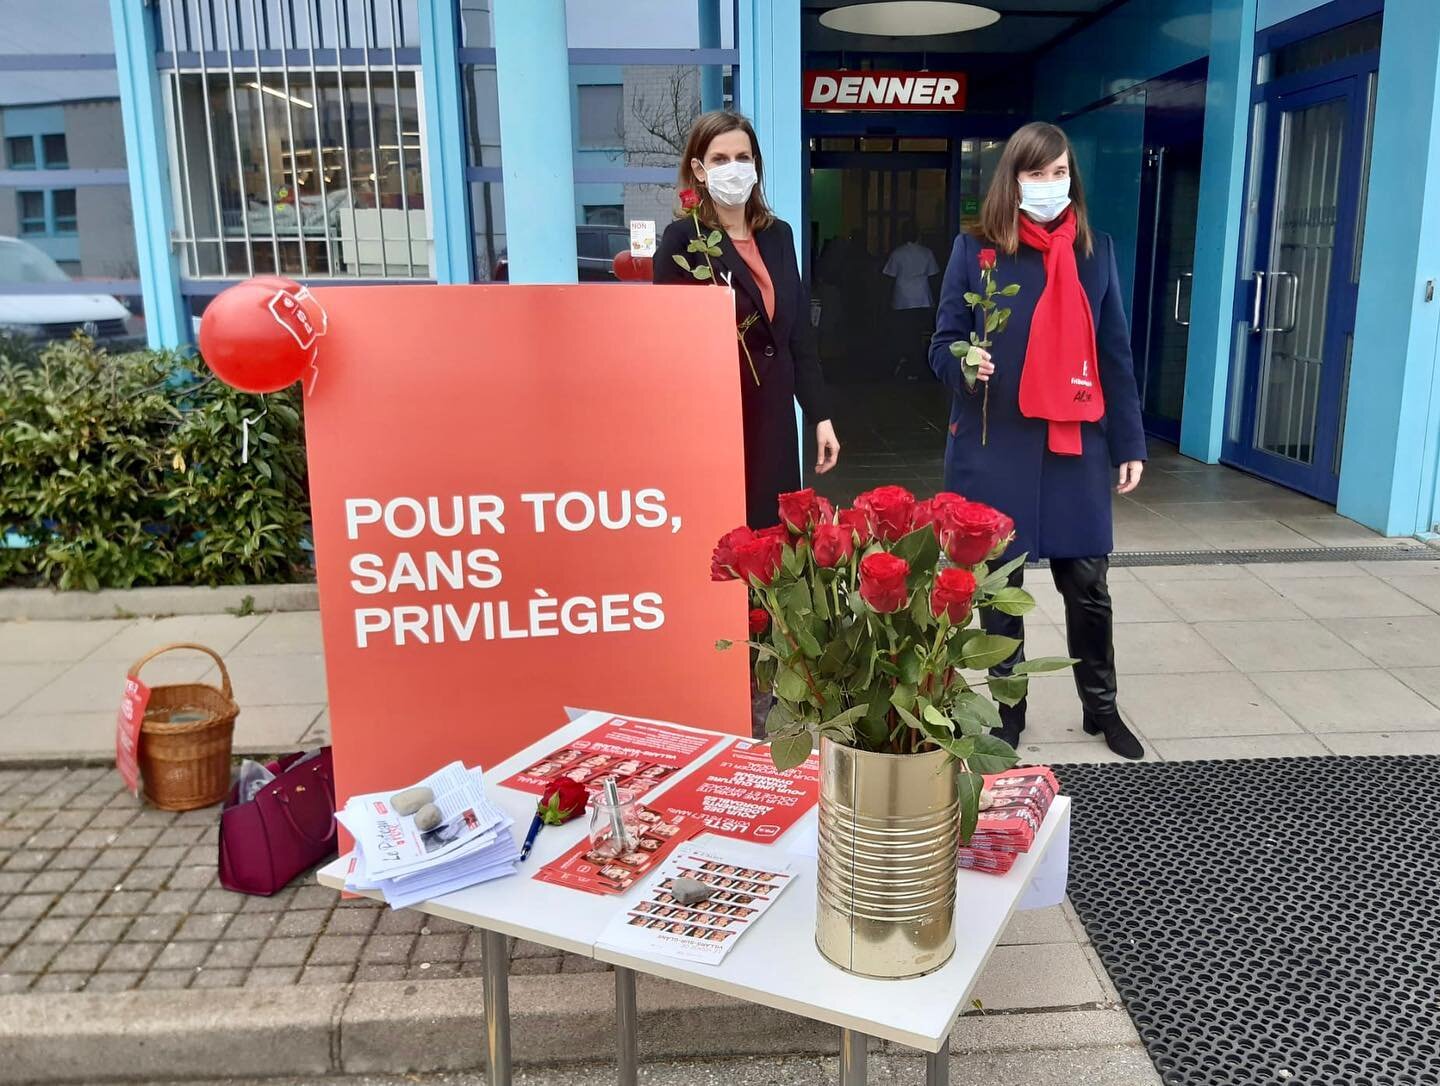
[(1012, 723), (1088, 628)]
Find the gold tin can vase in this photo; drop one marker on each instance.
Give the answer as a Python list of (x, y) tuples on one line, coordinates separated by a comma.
[(889, 830)]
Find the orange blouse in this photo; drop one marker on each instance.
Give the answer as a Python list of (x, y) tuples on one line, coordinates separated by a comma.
[(753, 260)]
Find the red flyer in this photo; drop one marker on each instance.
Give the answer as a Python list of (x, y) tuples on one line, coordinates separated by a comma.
[(638, 755), (581, 869), (127, 732), (741, 793)]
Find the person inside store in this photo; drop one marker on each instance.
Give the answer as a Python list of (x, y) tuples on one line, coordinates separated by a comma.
[(912, 268), (777, 363), (1061, 418)]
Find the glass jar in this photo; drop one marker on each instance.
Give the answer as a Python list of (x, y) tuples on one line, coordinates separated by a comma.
[(603, 820)]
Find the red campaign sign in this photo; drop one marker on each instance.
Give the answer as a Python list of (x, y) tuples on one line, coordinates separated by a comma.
[(583, 869), (638, 755), (127, 732), (870, 91), (741, 794)]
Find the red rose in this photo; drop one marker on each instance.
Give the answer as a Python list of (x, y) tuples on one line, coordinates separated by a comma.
[(759, 557), (922, 514), (689, 199), (987, 259), (722, 561), (826, 515), (561, 801), (952, 595), (888, 510), (882, 582), (832, 544), (971, 532), (799, 510), (759, 620), (857, 522)]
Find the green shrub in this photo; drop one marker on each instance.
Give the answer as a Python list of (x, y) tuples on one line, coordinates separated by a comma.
[(124, 470)]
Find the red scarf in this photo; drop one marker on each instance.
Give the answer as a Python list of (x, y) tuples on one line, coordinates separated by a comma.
[(1061, 379)]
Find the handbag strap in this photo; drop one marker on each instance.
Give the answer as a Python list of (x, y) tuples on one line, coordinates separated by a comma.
[(225, 687), (284, 798)]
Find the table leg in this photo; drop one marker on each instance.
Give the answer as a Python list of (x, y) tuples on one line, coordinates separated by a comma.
[(854, 1056), (496, 951), (627, 1045), (937, 1066)]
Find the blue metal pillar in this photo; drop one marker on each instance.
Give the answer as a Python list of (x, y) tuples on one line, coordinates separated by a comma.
[(768, 90), (1388, 471), (532, 63), (712, 82), (445, 188), (1219, 222), (167, 320)]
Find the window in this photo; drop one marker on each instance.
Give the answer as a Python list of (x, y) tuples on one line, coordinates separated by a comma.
[(601, 121), (56, 155), (1327, 48), (20, 152), (605, 215), (32, 213), (62, 204)]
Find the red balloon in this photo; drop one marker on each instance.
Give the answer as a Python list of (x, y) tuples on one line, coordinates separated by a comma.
[(632, 268), (263, 334)]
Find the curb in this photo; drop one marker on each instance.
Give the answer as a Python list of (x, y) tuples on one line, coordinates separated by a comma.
[(36, 604), (400, 1027)]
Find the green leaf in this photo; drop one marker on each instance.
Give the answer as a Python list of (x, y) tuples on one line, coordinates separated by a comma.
[(696, 246), (1011, 601), (1011, 290), (723, 644), (1044, 663), (681, 261), (791, 685), (910, 668), (792, 562), (713, 252), (978, 710), (820, 601), (921, 549), (779, 722), (791, 750), (1008, 689), (903, 698), (971, 785), (920, 611), (972, 299), (960, 349), (703, 272), (984, 651), (998, 579), (845, 722), (807, 641), (992, 321), (992, 755), (714, 239), (765, 651)]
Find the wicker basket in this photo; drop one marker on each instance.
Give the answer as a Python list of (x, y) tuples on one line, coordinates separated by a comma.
[(186, 764)]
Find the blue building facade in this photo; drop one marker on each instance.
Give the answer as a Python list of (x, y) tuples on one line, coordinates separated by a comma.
[(1252, 158)]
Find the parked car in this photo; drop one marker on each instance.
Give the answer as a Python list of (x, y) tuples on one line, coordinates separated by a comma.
[(595, 249), (47, 317)]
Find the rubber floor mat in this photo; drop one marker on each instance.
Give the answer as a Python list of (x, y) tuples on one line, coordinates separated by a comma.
[(1272, 922)]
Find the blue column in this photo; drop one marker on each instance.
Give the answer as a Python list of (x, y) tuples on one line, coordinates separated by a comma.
[(446, 188), (712, 83), (1392, 426), (1218, 225), (167, 320), (532, 63), (768, 90)]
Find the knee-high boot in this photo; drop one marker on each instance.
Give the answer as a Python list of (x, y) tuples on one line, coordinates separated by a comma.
[(1089, 627)]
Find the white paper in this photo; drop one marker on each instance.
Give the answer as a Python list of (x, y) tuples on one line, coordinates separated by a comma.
[(746, 884), (1047, 884), (391, 843), (642, 237)]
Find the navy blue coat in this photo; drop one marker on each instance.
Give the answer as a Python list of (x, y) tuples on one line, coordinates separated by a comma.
[(1061, 504)]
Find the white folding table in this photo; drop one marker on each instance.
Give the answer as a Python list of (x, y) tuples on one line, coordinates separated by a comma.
[(775, 965)]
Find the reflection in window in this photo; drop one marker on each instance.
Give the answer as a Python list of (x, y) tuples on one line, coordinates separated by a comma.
[(190, 25), (320, 175), (20, 152), (601, 121), (63, 207), (32, 213), (56, 155)]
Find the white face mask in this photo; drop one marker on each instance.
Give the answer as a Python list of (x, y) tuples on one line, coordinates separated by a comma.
[(1043, 201), (732, 183)]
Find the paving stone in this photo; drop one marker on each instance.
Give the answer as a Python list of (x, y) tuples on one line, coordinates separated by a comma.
[(337, 949), (28, 819), (400, 922), (472, 968), (184, 836), (101, 837), (372, 971), (352, 922), (79, 958), (103, 929), (75, 859), (13, 983), (314, 897), (112, 982), (117, 857), (125, 903), (433, 971), (326, 974), (193, 878), (138, 836), (29, 957), (164, 856), (57, 929), (60, 982), (218, 978), (12, 882), (28, 860), (182, 956), (520, 948), (144, 878), (252, 926), (474, 946), (27, 906), (52, 882), (272, 976), (13, 839), (438, 948), (153, 929), (103, 881), (276, 903), (174, 901), (51, 838), (12, 931), (284, 951), (130, 956), (528, 967), (168, 979), (71, 819), (231, 955), (309, 922), (573, 963), (439, 925), (385, 949), (207, 926)]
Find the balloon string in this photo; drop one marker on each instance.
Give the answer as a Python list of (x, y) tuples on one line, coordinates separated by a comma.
[(245, 424)]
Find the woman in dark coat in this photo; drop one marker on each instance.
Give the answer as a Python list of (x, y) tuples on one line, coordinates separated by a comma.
[(1055, 439), (776, 357)]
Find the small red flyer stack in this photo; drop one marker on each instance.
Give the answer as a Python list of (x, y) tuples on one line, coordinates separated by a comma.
[(1021, 797)]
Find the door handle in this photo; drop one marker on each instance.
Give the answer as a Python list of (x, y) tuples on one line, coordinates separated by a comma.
[(1255, 326), (1184, 276), (1292, 310)]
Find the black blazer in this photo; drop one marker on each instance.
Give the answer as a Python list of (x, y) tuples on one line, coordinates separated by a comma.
[(783, 349)]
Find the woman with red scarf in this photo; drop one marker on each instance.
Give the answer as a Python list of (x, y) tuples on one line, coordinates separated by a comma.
[(1064, 415)]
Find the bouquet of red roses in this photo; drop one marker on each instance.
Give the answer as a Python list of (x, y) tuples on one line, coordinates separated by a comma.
[(865, 624)]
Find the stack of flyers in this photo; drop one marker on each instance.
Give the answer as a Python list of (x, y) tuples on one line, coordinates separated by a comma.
[(584, 869), (473, 842), (745, 886), (1020, 800)]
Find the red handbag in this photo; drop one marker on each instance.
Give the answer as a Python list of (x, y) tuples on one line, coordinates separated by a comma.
[(288, 827)]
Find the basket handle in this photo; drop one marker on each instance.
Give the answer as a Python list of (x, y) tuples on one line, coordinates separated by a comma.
[(225, 687)]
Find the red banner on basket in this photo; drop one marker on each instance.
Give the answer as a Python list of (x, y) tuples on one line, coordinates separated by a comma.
[(741, 793), (127, 732)]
